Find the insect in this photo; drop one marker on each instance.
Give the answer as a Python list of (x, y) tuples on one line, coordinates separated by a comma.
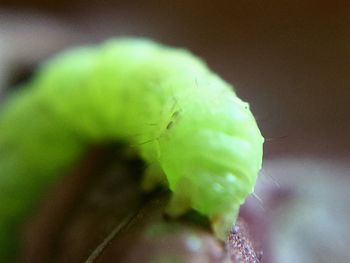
[(207, 146)]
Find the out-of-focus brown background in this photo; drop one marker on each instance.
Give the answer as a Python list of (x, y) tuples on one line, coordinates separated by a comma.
[(289, 59)]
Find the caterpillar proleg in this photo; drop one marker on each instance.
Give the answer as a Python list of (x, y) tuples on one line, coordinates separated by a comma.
[(184, 120)]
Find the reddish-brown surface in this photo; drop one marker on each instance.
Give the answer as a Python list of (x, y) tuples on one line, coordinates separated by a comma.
[(98, 212)]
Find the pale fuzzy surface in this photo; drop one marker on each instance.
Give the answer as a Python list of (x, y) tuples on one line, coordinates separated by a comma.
[(311, 222), (164, 102)]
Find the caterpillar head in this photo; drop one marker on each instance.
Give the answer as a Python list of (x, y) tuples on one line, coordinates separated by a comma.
[(213, 156)]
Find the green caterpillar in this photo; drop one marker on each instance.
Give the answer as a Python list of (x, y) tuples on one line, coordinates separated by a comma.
[(184, 121)]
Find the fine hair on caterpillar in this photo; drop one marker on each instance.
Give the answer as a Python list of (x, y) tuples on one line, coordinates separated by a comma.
[(197, 137), (170, 117)]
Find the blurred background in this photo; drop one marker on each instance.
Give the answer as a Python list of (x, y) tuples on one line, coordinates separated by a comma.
[(289, 59)]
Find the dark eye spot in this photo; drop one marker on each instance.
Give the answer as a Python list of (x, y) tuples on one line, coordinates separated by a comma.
[(170, 124), (175, 115)]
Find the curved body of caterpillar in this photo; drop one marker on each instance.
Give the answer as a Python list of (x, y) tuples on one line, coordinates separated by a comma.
[(183, 120)]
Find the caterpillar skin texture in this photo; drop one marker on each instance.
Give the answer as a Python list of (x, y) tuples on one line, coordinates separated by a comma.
[(182, 119)]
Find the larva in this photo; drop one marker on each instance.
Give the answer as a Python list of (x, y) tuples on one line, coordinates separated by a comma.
[(183, 120)]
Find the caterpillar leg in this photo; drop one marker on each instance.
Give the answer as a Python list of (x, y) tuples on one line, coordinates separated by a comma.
[(153, 177), (223, 223), (178, 205)]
